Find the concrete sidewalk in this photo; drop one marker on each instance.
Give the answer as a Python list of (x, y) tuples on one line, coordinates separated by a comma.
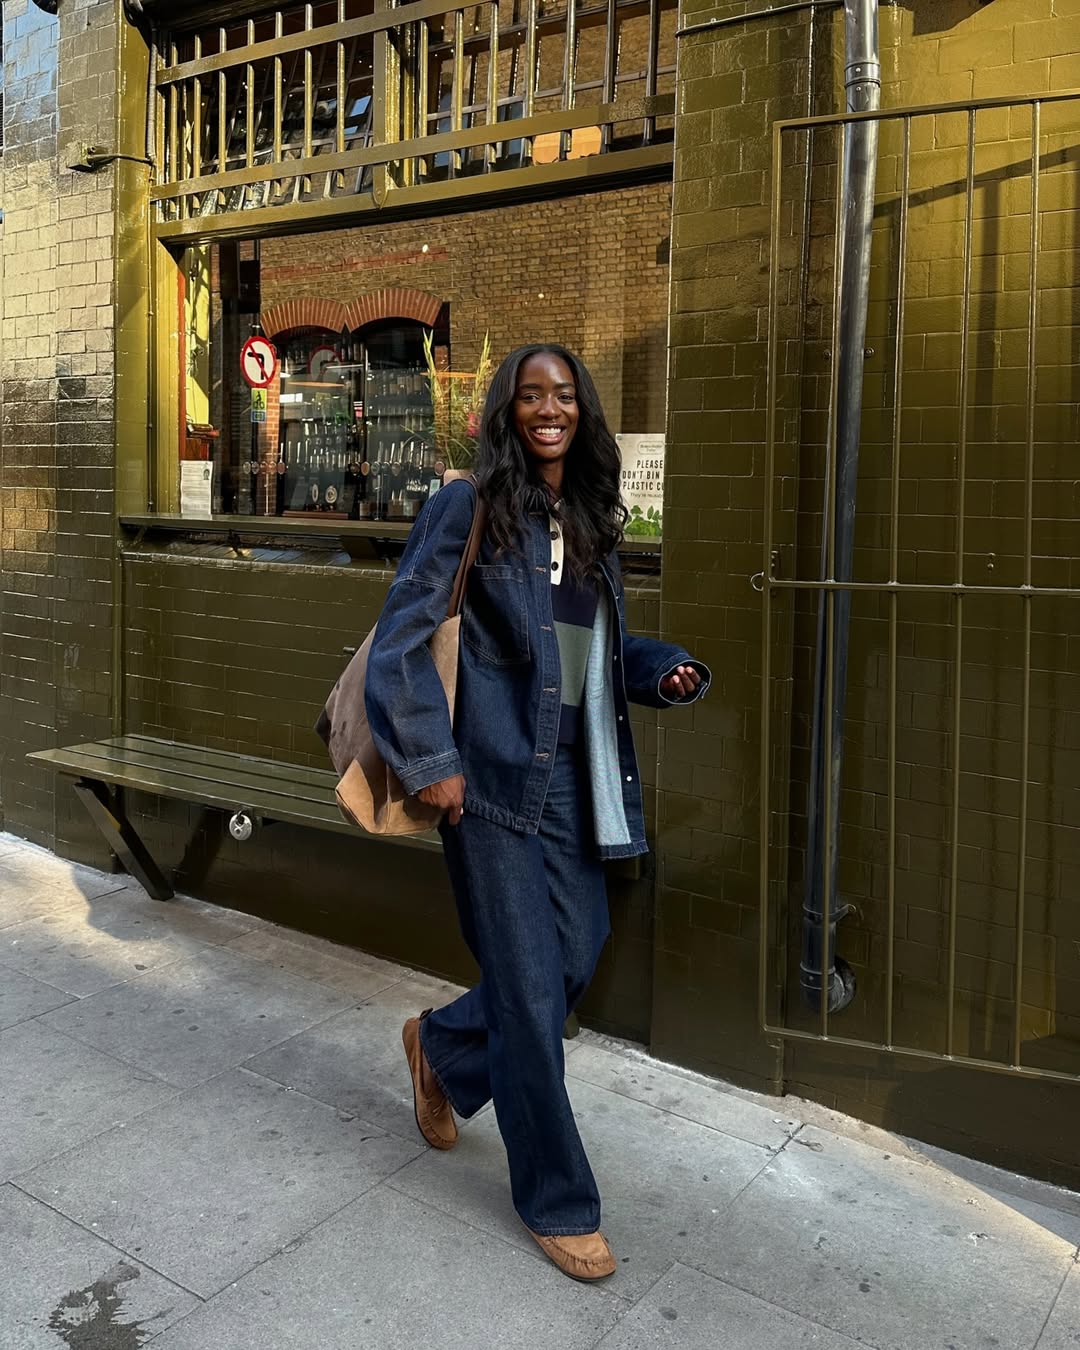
[(207, 1143)]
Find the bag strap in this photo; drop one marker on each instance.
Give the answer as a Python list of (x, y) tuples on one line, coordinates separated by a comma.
[(472, 549)]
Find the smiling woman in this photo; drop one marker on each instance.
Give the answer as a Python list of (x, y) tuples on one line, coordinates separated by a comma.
[(536, 773)]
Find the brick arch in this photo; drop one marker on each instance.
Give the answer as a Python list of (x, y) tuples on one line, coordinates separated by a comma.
[(306, 312), (391, 302), (394, 302)]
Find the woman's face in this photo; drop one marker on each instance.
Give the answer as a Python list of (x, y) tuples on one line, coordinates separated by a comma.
[(545, 409)]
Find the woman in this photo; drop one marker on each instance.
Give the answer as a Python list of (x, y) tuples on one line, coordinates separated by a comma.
[(537, 775)]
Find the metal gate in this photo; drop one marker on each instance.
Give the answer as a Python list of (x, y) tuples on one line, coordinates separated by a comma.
[(956, 825)]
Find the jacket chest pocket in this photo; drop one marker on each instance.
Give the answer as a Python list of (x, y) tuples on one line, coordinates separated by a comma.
[(495, 621)]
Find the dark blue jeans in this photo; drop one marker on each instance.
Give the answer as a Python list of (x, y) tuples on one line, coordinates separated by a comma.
[(533, 909)]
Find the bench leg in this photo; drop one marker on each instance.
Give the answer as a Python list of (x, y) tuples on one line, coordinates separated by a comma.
[(122, 839)]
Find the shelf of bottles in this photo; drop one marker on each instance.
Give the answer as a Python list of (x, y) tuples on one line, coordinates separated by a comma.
[(355, 437)]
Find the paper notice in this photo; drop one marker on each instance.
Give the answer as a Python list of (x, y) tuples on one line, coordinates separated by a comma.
[(643, 482), (196, 481)]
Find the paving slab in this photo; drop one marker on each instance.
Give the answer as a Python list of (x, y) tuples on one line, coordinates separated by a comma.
[(33, 882), (183, 914), (387, 1272), (9, 844), (1062, 1331), (199, 1015), (355, 1060), (646, 1080), (352, 973), (63, 1285), (692, 1311), (219, 1179), (890, 1251), (662, 1179), (83, 951), (57, 1093), (22, 997)]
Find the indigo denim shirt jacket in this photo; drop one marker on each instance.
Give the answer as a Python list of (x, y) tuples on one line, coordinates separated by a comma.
[(508, 703)]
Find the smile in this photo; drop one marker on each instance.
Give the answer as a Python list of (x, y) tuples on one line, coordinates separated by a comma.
[(548, 435)]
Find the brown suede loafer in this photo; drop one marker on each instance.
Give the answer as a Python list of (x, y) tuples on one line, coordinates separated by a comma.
[(582, 1256), (434, 1117)]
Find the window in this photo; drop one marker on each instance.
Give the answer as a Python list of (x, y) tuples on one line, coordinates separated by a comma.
[(325, 376)]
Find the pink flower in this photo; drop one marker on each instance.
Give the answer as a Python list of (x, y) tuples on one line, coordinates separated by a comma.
[(472, 426)]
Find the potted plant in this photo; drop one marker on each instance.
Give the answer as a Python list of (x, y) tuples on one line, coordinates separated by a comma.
[(457, 398)]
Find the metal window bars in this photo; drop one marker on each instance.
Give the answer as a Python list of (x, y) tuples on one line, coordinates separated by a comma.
[(969, 450), (313, 108)]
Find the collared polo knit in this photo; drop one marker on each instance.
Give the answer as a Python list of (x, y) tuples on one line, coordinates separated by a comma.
[(573, 608)]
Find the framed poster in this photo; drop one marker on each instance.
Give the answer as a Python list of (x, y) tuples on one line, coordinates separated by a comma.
[(642, 483)]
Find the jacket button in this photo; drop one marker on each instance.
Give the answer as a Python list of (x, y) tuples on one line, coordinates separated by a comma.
[(554, 566), (629, 778), (620, 717), (554, 534)]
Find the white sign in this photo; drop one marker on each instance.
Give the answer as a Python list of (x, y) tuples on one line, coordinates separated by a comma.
[(642, 483), (258, 362), (196, 481)]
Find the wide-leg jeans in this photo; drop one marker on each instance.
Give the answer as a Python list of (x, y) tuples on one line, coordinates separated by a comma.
[(533, 910)]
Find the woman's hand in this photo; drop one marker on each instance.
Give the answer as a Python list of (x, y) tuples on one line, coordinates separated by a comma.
[(448, 796), (682, 681)]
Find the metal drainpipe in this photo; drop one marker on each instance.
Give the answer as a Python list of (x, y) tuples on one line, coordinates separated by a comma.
[(862, 79)]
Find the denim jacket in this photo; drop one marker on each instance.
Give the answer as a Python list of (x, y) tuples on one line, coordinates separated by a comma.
[(508, 705)]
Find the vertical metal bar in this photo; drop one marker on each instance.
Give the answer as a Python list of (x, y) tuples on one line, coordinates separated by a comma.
[(159, 136), (174, 153), (1029, 510), (407, 95), (338, 179), (569, 73), (529, 92), (652, 62), (249, 103), (279, 93), (492, 112), (384, 101), (766, 589), (958, 651), (309, 98), (223, 123), (340, 142), (829, 526), (197, 117), (611, 57), (423, 77), (894, 568), (169, 137), (457, 76)]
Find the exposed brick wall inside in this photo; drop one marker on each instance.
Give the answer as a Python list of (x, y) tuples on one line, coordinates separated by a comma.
[(588, 271)]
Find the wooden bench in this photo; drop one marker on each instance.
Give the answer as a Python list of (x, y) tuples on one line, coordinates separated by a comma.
[(252, 790)]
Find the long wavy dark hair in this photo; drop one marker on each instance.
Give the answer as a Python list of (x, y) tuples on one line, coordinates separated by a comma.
[(591, 510)]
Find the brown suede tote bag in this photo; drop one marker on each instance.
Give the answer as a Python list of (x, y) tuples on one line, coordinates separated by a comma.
[(369, 793)]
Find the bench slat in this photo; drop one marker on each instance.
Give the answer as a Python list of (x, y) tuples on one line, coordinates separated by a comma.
[(237, 782), (200, 759)]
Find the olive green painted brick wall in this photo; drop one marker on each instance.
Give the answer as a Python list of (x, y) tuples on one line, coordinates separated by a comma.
[(56, 388), (735, 84)]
